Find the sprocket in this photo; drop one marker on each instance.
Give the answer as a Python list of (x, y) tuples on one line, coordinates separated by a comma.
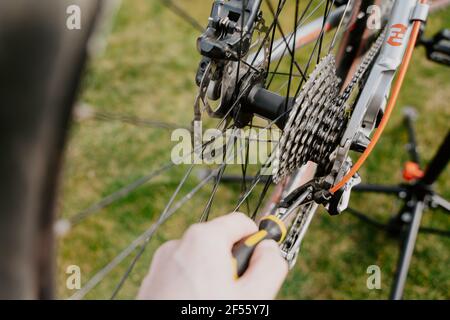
[(315, 122)]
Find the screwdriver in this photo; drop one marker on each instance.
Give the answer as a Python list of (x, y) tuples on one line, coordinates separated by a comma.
[(271, 227)]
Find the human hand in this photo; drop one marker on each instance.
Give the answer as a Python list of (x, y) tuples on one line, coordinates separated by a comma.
[(199, 266)]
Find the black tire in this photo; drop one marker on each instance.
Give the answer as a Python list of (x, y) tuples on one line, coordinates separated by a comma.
[(40, 75)]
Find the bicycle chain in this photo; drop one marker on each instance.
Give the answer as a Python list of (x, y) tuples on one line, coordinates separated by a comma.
[(298, 223)]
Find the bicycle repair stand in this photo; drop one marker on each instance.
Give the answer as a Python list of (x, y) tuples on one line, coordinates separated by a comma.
[(417, 195)]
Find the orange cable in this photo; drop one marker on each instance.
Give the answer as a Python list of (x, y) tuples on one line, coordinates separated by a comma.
[(390, 106)]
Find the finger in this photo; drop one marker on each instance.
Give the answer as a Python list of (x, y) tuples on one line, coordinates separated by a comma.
[(164, 252), (266, 272), (232, 227), (159, 261)]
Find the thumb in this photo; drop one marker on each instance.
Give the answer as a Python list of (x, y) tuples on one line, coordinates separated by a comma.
[(266, 272)]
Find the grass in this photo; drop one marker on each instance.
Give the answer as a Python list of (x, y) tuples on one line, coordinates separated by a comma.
[(148, 71)]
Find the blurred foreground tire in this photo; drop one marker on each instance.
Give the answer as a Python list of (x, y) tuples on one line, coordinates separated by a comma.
[(41, 62)]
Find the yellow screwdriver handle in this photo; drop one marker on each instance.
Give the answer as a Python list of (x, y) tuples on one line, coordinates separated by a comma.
[(270, 227)]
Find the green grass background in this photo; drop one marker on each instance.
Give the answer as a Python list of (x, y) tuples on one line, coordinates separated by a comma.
[(148, 71)]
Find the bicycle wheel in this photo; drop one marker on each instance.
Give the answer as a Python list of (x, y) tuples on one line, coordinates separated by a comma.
[(272, 49)]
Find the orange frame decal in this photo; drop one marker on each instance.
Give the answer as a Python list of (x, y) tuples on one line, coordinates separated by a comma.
[(397, 34)]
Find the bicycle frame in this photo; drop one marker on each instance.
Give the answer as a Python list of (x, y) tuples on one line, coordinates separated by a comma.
[(374, 96)]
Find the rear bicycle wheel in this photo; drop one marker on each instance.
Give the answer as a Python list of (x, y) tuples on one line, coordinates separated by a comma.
[(286, 45)]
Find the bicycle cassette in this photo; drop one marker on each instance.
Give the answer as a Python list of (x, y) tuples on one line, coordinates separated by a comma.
[(315, 124)]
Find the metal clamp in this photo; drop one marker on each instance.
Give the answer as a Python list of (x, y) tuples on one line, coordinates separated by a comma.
[(420, 12)]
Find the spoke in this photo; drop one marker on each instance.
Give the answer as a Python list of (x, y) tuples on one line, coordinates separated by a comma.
[(244, 167), (244, 197), (100, 275), (254, 183), (333, 41), (283, 85), (314, 50), (108, 116), (144, 245), (243, 5), (278, 73), (325, 16), (302, 20), (85, 111), (236, 103), (293, 57), (271, 30), (267, 185), (183, 14), (291, 51), (121, 193), (163, 216), (250, 65), (279, 8), (64, 225), (258, 176), (205, 215)]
